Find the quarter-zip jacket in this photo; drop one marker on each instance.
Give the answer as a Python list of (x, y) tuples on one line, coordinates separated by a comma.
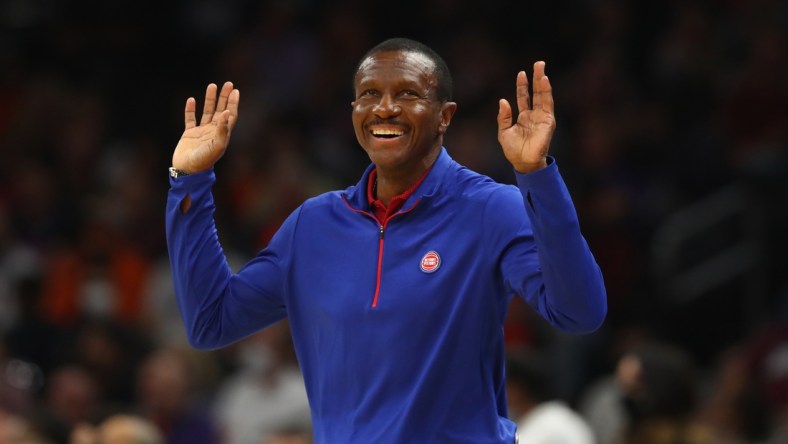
[(392, 349)]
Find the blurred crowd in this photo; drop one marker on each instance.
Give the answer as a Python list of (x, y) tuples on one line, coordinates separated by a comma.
[(662, 107)]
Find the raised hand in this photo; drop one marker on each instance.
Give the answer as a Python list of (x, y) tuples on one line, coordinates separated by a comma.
[(525, 141), (202, 145)]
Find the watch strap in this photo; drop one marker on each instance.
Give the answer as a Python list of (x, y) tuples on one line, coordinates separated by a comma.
[(176, 173)]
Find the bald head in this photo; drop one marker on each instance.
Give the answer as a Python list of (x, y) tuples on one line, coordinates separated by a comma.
[(128, 429)]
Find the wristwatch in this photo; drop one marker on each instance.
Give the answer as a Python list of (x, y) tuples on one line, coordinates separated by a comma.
[(176, 173)]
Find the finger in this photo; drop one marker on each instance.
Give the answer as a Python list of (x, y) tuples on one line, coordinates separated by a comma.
[(545, 96), (188, 113), (504, 115), (223, 128), (210, 104), (223, 95), (543, 91), (232, 106), (523, 97)]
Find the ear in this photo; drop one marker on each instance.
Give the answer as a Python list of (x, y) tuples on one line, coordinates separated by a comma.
[(447, 112)]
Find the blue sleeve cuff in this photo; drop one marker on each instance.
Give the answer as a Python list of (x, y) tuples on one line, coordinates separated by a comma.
[(192, 182), (545, 177)]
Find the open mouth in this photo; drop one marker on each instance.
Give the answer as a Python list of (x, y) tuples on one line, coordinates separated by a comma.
[(387, 133)]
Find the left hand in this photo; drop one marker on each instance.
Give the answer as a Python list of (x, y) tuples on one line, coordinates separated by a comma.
[(526, 142)]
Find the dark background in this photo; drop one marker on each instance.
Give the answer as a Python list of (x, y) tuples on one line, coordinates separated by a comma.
[(672, 137)]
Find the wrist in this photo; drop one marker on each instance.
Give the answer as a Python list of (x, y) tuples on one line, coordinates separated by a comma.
[(177, 172), (530, 167)]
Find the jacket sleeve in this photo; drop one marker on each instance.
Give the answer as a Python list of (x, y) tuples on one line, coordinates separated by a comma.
[(546, 260), (217, 306)]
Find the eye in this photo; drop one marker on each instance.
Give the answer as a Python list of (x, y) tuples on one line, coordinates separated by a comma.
[(368, 92), (409, 93)]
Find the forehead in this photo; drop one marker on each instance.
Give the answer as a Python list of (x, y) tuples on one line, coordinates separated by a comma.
[(398, 65)]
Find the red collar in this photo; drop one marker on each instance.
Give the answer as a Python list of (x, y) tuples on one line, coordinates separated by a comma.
[(382, 213)]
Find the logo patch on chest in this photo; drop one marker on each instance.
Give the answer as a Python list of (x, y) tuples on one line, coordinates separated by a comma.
[(430, 262)]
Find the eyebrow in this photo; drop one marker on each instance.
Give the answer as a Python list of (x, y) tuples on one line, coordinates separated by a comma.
[(401, 83)]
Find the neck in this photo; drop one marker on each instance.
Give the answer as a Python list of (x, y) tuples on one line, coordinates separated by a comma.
[(390, 183)]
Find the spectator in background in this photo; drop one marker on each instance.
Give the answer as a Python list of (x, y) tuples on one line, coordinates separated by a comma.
[(13, 397), (541, 417), (748, 401), (659, 389), (118, 429), (19, 263), (168, 389), (265, 397), (111, 353), (600, 402), (15, 429), (102, 277), (72, 395)]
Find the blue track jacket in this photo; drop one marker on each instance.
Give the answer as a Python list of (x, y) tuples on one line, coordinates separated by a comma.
[(398, 329)]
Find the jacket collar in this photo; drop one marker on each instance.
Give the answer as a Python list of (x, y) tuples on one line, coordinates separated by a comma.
[(356, 195)]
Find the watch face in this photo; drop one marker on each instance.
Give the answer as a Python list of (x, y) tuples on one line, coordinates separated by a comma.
[(174, 172)]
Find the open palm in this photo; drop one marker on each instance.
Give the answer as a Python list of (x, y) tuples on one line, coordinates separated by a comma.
[(202, 145), (526, 140)]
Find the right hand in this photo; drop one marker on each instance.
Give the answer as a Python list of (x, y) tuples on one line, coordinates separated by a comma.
[(204, 144)]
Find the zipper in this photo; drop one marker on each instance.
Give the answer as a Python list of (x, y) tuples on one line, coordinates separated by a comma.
[(381, 242), (380, 262)]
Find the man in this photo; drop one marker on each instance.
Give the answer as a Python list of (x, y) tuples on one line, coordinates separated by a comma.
[(396, 289)]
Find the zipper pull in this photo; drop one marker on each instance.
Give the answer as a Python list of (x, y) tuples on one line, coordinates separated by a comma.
[(381, 231)]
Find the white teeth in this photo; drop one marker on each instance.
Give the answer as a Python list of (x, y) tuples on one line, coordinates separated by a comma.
[(386, 132)]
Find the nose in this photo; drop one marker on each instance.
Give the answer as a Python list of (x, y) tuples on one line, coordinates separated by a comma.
[(386, 107)]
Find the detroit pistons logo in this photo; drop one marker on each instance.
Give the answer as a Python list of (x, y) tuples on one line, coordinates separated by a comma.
[(430, 262)]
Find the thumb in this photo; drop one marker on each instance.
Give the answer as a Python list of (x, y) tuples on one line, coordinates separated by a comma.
[(504, 115)]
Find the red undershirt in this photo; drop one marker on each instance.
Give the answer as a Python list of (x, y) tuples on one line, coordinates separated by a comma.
[(382, 213)]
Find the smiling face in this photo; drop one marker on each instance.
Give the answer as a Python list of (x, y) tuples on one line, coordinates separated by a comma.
[(397, 116)]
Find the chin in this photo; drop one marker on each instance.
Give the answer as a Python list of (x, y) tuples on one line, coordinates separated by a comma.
[(384, 157)]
